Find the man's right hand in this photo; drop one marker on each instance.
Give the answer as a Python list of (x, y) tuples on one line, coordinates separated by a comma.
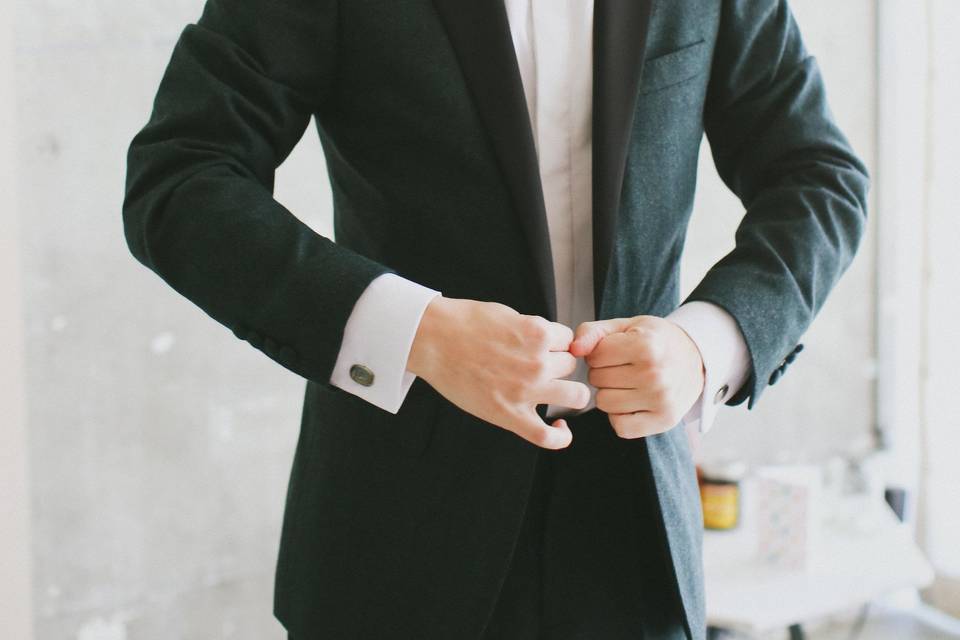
[(498, 364)]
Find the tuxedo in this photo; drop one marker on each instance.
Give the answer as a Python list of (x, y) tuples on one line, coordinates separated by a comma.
[(404, 525)]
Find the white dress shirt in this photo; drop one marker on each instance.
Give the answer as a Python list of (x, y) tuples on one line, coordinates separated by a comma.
[(553, 44)]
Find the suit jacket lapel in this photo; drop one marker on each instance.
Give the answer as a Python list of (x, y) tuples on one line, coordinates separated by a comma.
[(480, 34), (619, 40)]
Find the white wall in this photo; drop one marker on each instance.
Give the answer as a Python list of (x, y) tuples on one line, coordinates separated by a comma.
[(941, 308), (918, 267), (16, 613)]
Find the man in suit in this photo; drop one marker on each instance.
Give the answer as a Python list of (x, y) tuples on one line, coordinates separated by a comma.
[(497, 366)]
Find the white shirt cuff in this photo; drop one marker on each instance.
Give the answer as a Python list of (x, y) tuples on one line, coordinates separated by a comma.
[(377, 337), (726, 358)]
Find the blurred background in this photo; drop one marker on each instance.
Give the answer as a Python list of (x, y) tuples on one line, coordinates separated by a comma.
[(144, 450)]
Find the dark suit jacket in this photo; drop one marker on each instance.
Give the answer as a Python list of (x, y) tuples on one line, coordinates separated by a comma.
[(401, 525)]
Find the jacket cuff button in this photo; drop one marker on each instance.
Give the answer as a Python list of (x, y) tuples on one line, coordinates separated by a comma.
[(361, 375), (721, 392)]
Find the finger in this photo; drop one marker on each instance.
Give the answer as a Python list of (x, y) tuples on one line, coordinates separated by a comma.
[(564, 393), (638, 425), (533, 429), (560, 364), (615, 349), (623, 400), (589, 334), (620, 376), (558, 336)]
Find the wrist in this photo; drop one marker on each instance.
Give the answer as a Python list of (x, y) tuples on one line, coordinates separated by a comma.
[(697, 362), (424, 351)]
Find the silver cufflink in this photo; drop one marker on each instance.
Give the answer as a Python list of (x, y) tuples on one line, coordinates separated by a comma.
[(361, 375)]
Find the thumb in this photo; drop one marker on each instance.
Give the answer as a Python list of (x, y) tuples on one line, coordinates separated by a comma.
[(589, 334)]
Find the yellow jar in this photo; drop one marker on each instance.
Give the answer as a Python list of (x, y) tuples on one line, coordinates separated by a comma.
[(720, 493)]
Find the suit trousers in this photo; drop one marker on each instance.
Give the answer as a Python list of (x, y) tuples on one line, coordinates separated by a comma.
[(591, 561)]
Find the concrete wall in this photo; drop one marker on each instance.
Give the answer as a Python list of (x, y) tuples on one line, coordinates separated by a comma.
[(16, 613), (159, 445), (941, 306)]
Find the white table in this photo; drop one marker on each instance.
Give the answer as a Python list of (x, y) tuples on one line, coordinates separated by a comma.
[(865, 552)]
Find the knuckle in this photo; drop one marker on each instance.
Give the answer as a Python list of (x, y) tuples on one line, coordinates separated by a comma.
[(499, 307), (655, 369), (593, 357), (535, 330), (641, 331), (593, 377), (645, 368), (656, 382), (655, 350), (628, 427), (620, 425), (518, 370), (517, 393), (603, 401), (661, 393), (615, 420), (535, 368), (647, 350), (631, 433), (538, 436), (503, 399)]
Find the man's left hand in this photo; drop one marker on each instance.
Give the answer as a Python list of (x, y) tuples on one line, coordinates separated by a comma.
[(647, 370)]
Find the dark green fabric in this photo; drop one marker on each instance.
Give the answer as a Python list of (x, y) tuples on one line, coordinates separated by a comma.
[(589, 562), (401, 525)]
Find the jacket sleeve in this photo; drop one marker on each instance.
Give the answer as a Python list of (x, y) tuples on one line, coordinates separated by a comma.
[(236, 96), (776, 145)]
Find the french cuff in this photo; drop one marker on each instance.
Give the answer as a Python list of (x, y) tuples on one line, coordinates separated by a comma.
[(726, 358), (378, 335)]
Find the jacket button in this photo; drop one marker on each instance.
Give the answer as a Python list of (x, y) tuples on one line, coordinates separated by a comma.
[(721, 392), (361, 375)]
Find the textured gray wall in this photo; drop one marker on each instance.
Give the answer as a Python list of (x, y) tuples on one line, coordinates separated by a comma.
[(16, 615), (941, 429), (159, 445)]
